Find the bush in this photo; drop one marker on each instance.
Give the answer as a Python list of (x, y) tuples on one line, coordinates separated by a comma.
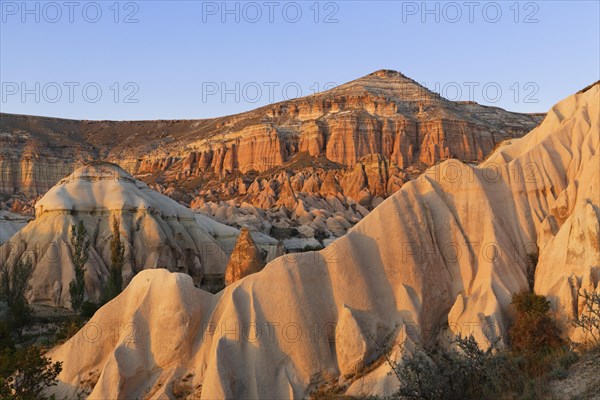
[(88, 309), (533, 331), (466, 373), (537, 354), (181, 389), (68, 329), (471, 373)]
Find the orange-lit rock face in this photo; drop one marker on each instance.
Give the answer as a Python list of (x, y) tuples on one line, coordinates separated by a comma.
[(245, 259), (366, 133)]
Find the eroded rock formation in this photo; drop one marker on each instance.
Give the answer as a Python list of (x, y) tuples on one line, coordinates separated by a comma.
[(460, 250), (245, 259), (158, 233)]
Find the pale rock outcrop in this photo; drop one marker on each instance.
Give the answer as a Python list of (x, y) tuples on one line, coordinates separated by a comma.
[(354, 336), (116, 358), (286, 216), (158, 233)]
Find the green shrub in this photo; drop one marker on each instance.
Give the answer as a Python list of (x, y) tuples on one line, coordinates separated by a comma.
[(88, 309), (68, 329)]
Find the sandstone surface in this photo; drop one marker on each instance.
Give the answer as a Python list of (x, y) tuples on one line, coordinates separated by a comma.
[(441, 256)]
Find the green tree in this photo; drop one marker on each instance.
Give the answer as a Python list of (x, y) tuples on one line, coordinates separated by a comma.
[(114, 285), (80, 255), (26, 373), (14, 282)]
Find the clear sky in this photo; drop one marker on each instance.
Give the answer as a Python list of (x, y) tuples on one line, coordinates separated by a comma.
[(197, 59)]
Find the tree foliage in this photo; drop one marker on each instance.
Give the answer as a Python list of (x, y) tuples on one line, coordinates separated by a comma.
[(26, 373), (114, 284), (80, 255), (14, 282)]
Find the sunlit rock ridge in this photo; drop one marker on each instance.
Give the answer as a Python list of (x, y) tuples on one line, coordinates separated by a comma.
[(418, 267)]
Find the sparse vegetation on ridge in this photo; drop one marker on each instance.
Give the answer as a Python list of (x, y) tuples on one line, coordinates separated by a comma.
[(536, 356), (589, 319)]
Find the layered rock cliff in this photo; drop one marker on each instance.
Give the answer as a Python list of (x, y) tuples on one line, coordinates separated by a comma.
[(462, 241), (359, 142)]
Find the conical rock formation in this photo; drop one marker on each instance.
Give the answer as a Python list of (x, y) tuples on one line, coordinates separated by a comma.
[(245, 259)]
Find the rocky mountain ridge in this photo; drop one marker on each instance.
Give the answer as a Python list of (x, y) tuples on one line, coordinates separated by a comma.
[(359, 142)]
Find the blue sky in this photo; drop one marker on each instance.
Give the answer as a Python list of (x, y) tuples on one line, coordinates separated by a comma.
[(195, 59)]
